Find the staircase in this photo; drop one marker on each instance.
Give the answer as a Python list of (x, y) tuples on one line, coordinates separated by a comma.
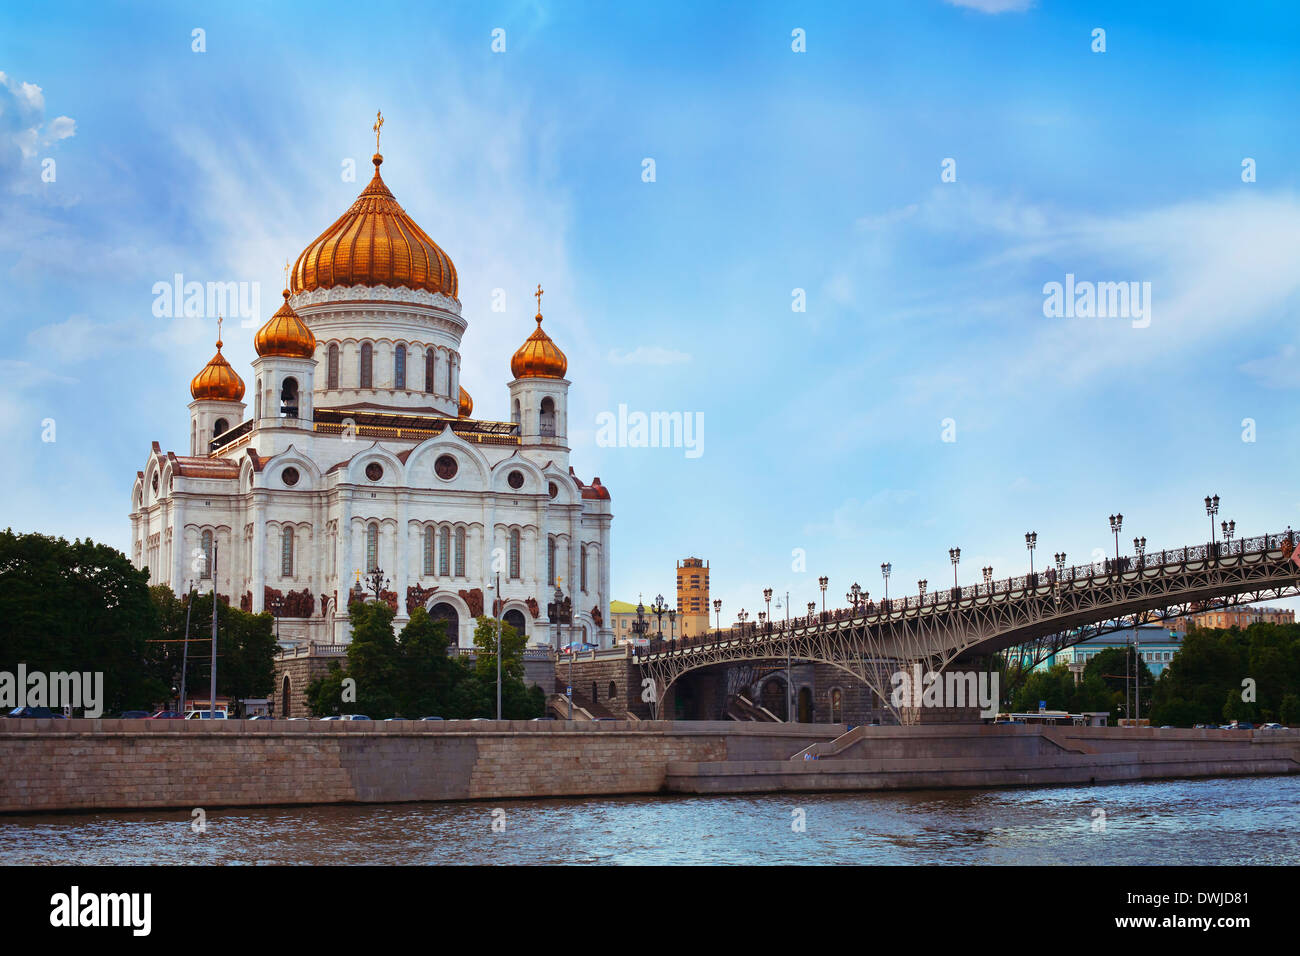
[(741, 707), (583, 709)]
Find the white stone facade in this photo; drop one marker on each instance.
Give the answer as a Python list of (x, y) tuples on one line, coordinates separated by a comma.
[(367, 490)]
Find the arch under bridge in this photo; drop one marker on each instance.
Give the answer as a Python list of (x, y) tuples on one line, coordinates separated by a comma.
[(1042, 613)]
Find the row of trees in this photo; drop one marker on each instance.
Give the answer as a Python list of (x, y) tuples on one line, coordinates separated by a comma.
[(410, 675), (1216, 676), (81, 606)]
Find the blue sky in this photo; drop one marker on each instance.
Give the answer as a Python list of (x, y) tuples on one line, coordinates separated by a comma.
[(775, 171)]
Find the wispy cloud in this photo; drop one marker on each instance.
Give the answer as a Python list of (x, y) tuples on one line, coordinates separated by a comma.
[(994, 6), (648, 355)]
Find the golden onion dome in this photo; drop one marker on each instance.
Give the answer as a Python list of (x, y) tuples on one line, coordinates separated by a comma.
[(285, 334), (374, 243), (217, 381), (466, 404), (539, 357)]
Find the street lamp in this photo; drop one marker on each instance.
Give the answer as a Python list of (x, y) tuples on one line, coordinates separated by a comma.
[(812, 610), (1140, 549), (1116, 524), (658, 609), (717, 610), (741, 617), (1211, 509), (672, 625), (767, 597), (376, 582), (988, 577), (277, 605), (822, 582), (920, 586), (954, 555), (1229, 528), (884, 571), (1031, 542)]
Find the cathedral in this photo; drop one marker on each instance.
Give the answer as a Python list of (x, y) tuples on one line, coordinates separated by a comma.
[(362, 473)]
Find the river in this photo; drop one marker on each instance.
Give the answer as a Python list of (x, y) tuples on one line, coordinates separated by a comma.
[(1248, 820)]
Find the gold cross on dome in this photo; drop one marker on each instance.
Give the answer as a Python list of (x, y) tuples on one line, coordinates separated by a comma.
[(538, 296), (379, 124), (286, 273), (219, 320)]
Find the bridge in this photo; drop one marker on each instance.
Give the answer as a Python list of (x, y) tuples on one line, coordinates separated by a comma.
[(1042, 613)]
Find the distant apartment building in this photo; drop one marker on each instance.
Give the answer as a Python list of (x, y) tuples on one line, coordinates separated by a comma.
[(1156, 645), (622, 614), (1241, 617)]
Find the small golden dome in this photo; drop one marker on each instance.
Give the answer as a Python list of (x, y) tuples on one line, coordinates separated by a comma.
[(217, 381), (539, 357), (466, 404), (374, 243), (285, 334)]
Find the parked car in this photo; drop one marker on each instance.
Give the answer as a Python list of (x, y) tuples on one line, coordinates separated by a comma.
[(261, 717), (1242, 725), (135, 715), (206, 715), (1271, 727), (431, 718), (542, 718), (298, 718), (353, 717), (167, 715), (34, 712)]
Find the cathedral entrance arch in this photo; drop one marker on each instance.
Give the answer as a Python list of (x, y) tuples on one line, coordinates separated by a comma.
[(442, 611), (515, 618)]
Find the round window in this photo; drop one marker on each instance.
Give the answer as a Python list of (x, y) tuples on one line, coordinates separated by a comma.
[(289, 476), (445, 467), (374, 471), (552, 490), (516, 479)]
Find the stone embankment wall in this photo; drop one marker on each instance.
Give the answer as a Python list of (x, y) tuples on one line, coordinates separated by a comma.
[(54, 765)]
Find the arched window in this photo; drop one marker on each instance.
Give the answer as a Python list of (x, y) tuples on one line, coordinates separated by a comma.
[(289, 398), (372, 547), (584, 570), (428, 550), (514, 415), (449, 364), (399, 367), (332, 367), (220, 427), (546, 423), (258, 400), (205, 543), (460, 552), (550, 560), (286, 553), (613, 690), (514, 554), (194, 438), (430, 363), (367, 365), (444, 546)]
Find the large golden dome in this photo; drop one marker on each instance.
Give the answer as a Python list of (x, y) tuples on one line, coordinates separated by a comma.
[(285, 334), (374, 243), (539, 357), (217, 381)]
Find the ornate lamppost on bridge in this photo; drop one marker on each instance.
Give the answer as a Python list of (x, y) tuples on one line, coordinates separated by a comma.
[(857, 597), (672, 624), (1116, 525), (1059, 557), (741, 617), (1229, 528), (767, 597), (812, 611), (658, 609), (277, 605), (988, 578), (1211, 509), (822, 582), (1140, 549), (884, 571), (1031, 542), (717, 610), (920, 587), (954, 555)]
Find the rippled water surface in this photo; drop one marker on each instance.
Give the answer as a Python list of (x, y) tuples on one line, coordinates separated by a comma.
[(1215, 822)]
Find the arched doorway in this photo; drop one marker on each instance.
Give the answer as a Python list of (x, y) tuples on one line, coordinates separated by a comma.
[(515, 618), (284, 698), (804, 708), (445, 612), (772, 696)]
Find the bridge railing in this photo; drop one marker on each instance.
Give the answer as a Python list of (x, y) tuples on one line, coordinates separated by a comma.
[(1049, 578)]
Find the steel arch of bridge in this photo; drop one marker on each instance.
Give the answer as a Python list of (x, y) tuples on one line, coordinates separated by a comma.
[(1046, 612)]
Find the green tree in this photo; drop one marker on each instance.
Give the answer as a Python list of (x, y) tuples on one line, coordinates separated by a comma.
[(325, 693), (1289, 711), (79, 606), (426, 673), (373, 660)]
